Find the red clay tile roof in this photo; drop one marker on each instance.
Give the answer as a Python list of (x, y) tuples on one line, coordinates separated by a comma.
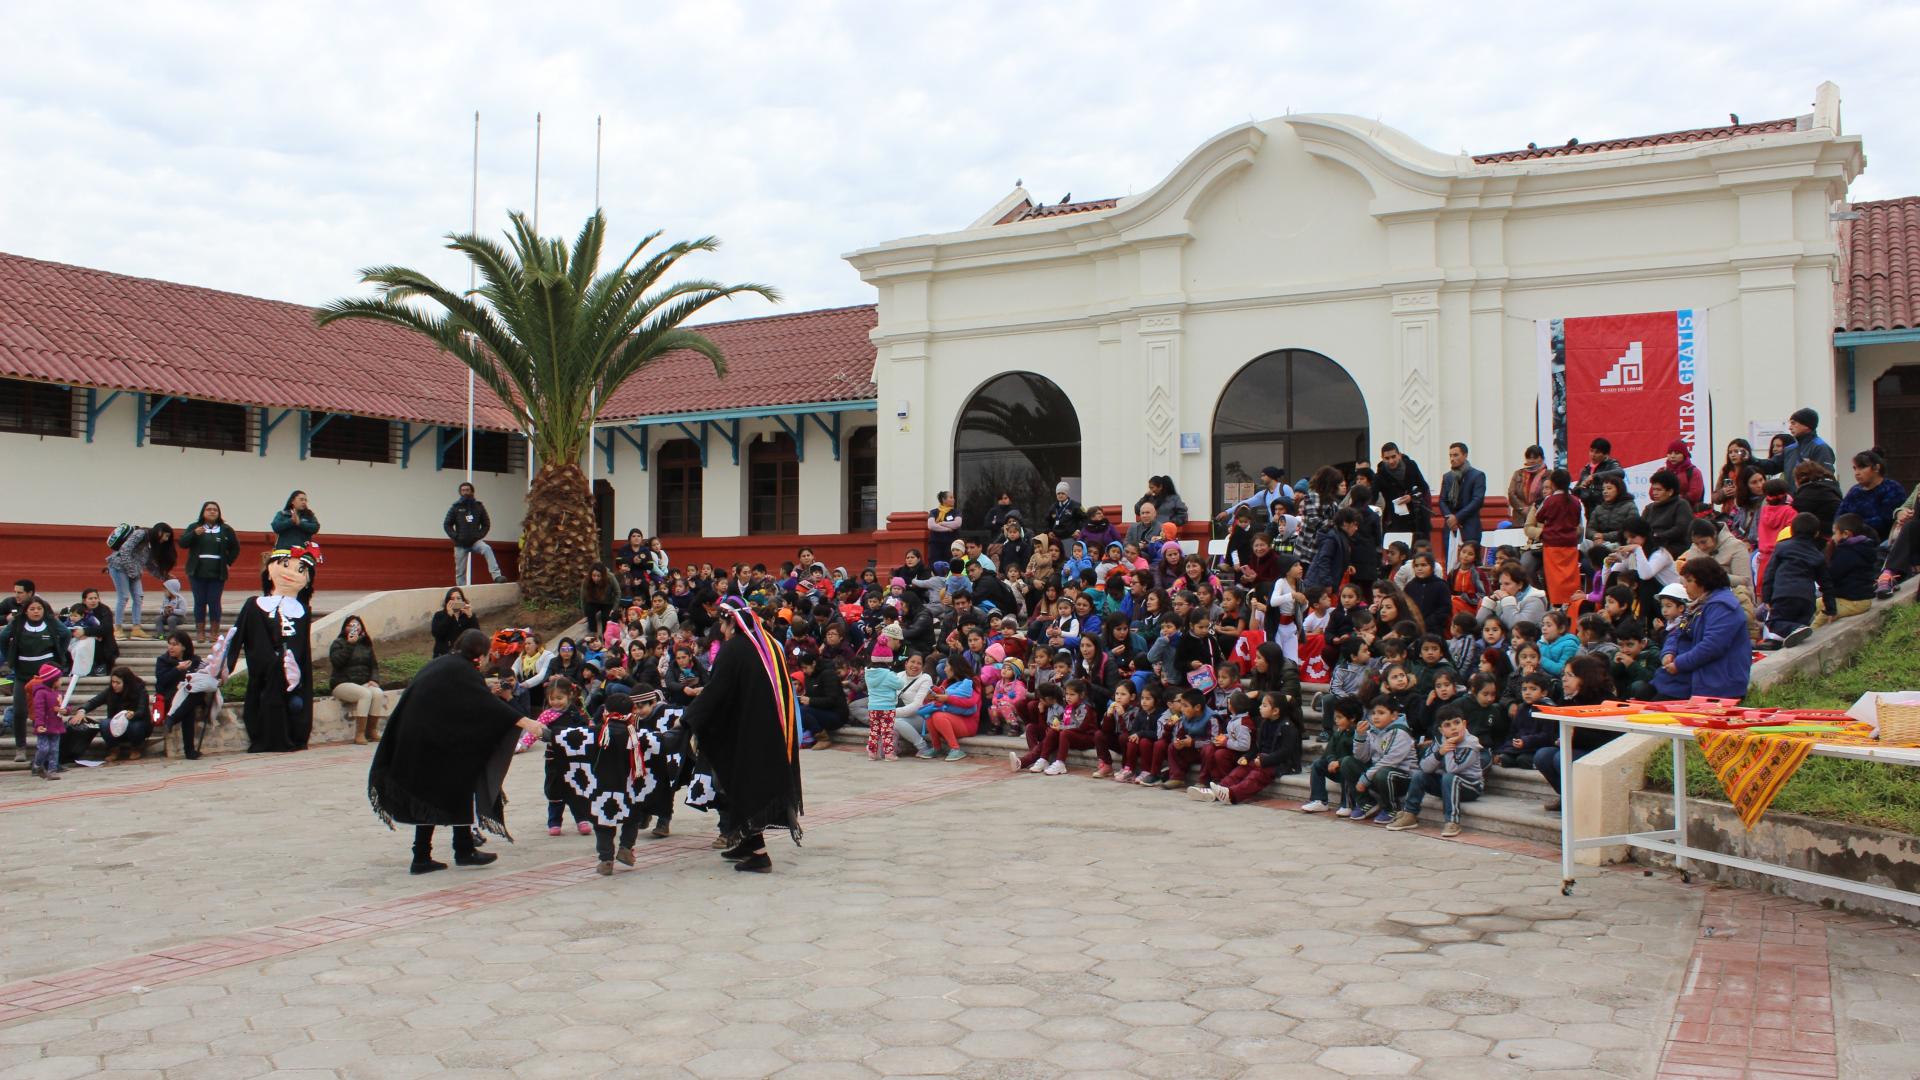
[(1665, 138), (1026, 211), (1880, 261), (81, 327), (804, 357)]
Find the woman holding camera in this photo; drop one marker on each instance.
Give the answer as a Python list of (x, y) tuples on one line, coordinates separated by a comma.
[(454, 618)]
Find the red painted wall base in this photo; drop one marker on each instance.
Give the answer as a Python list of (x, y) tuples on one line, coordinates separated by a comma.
[(68, 558)]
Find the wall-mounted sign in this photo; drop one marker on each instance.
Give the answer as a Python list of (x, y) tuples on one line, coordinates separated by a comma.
[(1189, 442)]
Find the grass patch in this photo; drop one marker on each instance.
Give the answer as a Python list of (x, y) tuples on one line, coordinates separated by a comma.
[(1851, 792), (399, 670), (1889, 662)]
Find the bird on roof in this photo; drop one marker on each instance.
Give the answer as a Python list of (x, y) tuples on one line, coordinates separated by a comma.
[(1067, 198), (1733, 118)]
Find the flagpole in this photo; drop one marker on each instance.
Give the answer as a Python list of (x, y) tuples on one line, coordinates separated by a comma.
[(593, 396), (472, 282)]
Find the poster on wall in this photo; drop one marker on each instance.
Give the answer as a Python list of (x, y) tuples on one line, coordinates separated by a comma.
[(1638, 380)]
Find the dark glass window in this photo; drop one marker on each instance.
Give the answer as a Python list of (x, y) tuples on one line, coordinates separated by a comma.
[(1018, 434), (1292, 408), (203, 425), (493, 452), (863, 480), (678, 477), (33, 408), (773, 485), (353, 438)]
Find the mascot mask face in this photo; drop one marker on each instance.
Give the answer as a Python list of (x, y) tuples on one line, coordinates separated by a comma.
[(290, 571)]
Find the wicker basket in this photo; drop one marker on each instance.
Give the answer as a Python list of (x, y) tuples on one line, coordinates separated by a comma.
[(1899, 724)]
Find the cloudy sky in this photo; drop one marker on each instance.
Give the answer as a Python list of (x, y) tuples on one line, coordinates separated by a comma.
[(275, 149)]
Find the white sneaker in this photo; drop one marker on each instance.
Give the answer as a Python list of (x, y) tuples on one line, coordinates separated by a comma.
[(1013, 761), (1221, 794), (1343, 812), (1314, 807), (1039, 765), (1200, 793), (1058, 768)]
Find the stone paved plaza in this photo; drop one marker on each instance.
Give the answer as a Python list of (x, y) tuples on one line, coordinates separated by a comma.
[(247, 917)]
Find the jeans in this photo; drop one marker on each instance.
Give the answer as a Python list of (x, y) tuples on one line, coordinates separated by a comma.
[(207, 593), (557, 808), (46, 753), (1317, 779), (125, 586), (910, 727), (1453, 791), (1547, 760), (460, 561), (820, 722)]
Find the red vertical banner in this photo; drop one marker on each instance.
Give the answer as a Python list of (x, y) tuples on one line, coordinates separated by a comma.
[(1631, 379)]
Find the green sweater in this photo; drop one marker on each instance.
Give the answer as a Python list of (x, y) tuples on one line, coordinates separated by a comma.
[(1339, 744), (210, 553)]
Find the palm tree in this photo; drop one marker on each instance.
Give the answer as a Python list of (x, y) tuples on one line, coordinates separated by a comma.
[(553, 338)]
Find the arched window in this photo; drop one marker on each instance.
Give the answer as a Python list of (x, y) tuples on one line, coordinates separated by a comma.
[(1292, 408), (773, 485), (677, 483), (1018, 434), (863, 480)]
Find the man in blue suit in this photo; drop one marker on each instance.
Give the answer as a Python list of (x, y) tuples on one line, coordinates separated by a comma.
[(1462, 490)]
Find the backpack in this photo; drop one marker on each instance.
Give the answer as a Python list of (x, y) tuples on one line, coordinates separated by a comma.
[(118, 536)]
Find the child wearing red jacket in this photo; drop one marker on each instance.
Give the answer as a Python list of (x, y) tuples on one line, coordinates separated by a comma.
[(1071, 724)]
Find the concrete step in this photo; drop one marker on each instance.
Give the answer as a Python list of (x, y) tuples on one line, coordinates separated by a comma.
[(1510, 807)]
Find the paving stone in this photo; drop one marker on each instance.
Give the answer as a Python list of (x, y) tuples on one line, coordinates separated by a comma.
[(1108, 945)]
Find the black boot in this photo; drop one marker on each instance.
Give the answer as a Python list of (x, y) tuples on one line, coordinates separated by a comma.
[(423, 860), (465, 851), (757, 863), (745, 847)]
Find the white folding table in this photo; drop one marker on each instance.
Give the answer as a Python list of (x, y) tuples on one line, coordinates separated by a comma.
[(1673, 841)]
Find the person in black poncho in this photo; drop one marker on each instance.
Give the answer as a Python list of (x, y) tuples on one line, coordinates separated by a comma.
[(745, 728), (444, 755)]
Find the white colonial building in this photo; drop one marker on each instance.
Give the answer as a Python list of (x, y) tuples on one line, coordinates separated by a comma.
[(1299, 290)]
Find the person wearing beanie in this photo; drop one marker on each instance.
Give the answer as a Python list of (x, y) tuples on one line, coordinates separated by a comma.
[(1272, 491), (1065, 516), (884, 683), (1693, 483), (1807, 445), (43, 695)]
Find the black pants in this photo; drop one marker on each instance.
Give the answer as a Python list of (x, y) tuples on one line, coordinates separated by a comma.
[(596, 617), (1900, 552), (423, 841), (603, 835), (186, 717), (20, 710)]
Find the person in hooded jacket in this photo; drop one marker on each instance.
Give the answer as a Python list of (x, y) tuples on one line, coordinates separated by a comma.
[(1816, 492), (1335, 552), (1796, 580), (1850, 567), (1692, 483)]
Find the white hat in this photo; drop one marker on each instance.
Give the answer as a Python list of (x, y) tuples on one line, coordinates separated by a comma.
[(1061, 488), (1676, 592)]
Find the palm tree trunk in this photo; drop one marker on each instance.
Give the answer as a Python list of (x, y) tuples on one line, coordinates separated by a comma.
[(559, 539)]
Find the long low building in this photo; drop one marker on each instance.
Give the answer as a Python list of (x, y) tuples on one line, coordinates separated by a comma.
[(1294, 293)]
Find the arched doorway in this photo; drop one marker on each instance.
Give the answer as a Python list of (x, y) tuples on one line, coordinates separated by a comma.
[(1017, 433), (1293, 408)]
